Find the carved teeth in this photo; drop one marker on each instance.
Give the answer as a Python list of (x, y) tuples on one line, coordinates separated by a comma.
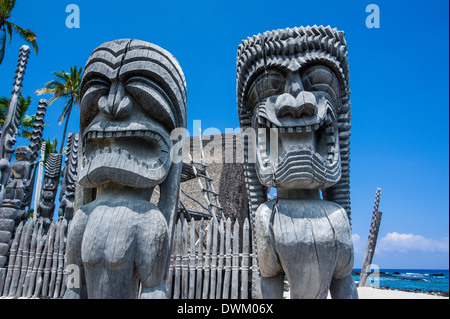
[(100, 134)]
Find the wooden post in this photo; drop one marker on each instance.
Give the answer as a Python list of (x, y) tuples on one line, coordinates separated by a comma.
[(207, 261), (37, 193), (226, 282), (37, 258), (245, 259), (235, 264), (12, 258), (212, 290), (31, 259), (192, 260), (220, 262), (198, 286), (18, 263), (49, 259), (177, 288), (371, 241), (185, 262)]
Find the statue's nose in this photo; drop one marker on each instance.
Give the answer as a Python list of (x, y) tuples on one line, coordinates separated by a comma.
[(117, 104), (303, 105)]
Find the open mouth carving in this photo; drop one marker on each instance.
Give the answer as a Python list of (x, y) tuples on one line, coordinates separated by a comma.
[(136, 158), (307, 154)]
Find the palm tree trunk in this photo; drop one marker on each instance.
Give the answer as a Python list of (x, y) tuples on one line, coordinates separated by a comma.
[(2, 42), (65, 125)]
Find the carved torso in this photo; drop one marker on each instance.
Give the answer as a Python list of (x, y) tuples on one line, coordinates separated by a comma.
[(20, 169), (312, 233), (123, 240)]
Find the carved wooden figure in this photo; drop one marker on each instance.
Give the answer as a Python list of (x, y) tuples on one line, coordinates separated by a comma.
[(9, 128), (293, 91), (20, 171), (133, 96), (67, 192), (46, 207)]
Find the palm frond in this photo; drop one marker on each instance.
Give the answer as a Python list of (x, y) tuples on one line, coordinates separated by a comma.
[(6, 6), (25, 34)]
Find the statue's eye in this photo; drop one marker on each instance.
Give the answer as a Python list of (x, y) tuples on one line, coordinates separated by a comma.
[(267, 84), (152, 99), (93, 90), (319, 78)]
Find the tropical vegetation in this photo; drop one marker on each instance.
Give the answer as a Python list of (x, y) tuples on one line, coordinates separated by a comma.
[(26, 121), (7, 28), (65, 86)]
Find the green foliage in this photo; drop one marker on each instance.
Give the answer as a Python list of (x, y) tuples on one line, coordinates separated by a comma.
[(26, 121), (7, 28), (65, 86)]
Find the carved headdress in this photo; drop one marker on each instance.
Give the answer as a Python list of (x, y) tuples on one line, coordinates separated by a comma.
[(317, 55)]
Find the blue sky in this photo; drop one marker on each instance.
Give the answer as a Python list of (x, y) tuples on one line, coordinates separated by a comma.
[(399, 83)]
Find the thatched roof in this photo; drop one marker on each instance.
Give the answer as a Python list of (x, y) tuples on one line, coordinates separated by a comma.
[(221, 154)]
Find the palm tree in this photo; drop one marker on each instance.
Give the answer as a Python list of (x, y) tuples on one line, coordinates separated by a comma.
[(26, 121), (66, 86), (6, 7)]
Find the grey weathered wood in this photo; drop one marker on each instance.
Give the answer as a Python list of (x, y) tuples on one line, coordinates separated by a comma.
[(25, 255), (18, 263), (124, 173), (48, 260), (245, 259), (37, 192), (9, 128), (198, 286), (39, 247), (12, 258), (235, 263), (41, 266), (54, 267), (228, 252), (220, 260), (177, 285), (371, 241), (64, 280), (212, 289), (31, 258), (192, 259), (185, 262), (207, 267), (169, 280), (301, 234), (60, 264), (256, 288)]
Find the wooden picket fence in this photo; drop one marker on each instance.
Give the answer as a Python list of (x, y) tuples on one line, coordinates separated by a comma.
[(207, 262), (36, 262)]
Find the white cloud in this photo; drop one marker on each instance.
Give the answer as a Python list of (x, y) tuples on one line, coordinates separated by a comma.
[(358, 244), (410, 242)]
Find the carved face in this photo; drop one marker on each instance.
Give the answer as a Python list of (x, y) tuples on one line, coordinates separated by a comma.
[(301, 106), (127, 115), (49, 188), (23, 153)]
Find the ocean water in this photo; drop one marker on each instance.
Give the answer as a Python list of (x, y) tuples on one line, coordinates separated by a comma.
[(423, 279)]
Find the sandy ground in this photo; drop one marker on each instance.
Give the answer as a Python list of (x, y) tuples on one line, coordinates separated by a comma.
[(374, 293)]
